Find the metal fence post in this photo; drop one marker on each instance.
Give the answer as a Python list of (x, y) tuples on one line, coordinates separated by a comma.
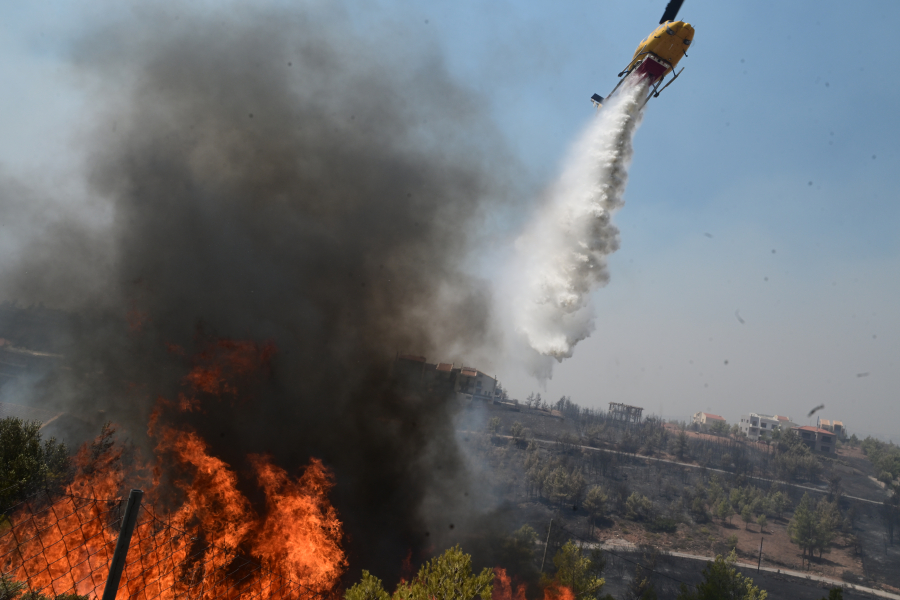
[(118, 560)]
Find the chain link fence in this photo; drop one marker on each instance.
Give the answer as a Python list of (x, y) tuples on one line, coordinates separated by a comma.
[(61, 546)]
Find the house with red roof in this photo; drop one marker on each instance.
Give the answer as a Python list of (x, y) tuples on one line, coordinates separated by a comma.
[(816, 438), (704, 420)]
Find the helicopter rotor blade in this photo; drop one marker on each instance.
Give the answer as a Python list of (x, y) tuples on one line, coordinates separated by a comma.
[(671, 11)]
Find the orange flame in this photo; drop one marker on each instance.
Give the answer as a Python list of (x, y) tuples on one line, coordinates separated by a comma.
[(222, 364), (555, 591), (191, 551), (503, 587), (301, 533)]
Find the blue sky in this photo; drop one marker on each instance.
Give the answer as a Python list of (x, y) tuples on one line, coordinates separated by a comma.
[(720, 217), (763, 185)]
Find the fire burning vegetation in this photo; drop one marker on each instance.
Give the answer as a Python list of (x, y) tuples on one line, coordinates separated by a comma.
[(296, 536), (201, 536)]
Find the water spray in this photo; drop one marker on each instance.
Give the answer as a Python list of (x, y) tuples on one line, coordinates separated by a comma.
[(562, 254)]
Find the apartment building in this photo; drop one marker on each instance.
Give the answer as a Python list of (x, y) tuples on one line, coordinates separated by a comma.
[(756, 426)]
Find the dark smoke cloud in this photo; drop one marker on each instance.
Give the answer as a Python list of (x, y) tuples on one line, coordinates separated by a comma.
[(275, 176)]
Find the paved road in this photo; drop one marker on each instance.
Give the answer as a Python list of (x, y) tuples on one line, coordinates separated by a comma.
[(692, 466), (626, 546)]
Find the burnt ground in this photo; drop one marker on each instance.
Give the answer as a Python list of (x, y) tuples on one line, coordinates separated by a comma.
[(859, 553)]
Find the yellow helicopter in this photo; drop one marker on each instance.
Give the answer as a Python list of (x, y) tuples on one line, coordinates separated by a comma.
[(658, 55)]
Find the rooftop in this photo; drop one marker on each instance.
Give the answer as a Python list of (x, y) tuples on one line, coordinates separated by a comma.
[(814, 429), (713, 417), (444, 367)]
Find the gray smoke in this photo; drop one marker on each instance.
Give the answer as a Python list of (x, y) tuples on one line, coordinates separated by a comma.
[(276, 177)]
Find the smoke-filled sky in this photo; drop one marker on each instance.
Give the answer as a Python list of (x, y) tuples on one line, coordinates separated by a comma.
[(759, 267)]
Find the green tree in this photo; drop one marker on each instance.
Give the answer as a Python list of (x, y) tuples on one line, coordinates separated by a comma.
[(517, 431), (577, 572), (761, 521), (557, 483), (369, 588), (575, 485), (638, 507), (835, 593), (681, 444), (493, 425), (746, 516), (25, 461), (716, 491), (828, 519), (802, 527), (12, 590), (698, 510), (779, 502), (719, 428), (721, 580), (447, 577), (595, 504), (724, 510)]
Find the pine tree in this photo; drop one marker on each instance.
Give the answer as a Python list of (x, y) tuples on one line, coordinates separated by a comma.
[(724, 510), (803, 527), (722, 580), (595, 504), (577, 572), (369, 588), (827, 520), (681, 444), (747, 515), (447, 577)]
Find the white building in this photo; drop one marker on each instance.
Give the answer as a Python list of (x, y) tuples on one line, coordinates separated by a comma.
[(478, 384), (755, 425)]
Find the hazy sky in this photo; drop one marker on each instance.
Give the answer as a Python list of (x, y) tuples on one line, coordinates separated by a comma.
[(760, 264)]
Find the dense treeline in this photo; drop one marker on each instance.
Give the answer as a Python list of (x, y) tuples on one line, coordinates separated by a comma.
[(885, 457)]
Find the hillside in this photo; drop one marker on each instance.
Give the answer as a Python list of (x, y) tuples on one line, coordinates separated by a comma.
[(548, 469)]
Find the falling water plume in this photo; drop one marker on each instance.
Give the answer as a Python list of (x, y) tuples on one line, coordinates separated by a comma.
[(562, 254)]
